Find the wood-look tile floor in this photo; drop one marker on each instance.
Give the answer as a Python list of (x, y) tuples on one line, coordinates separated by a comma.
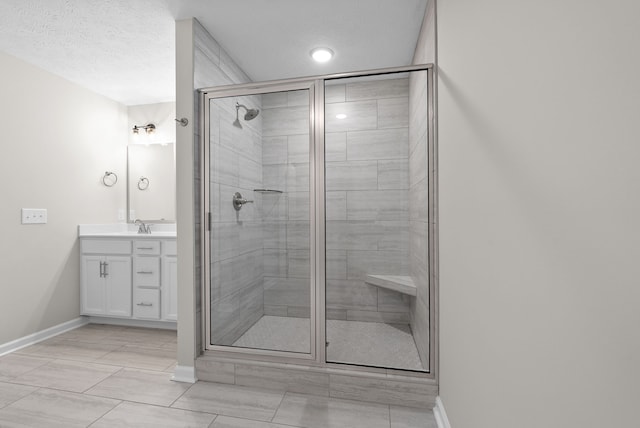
[(113, 376)]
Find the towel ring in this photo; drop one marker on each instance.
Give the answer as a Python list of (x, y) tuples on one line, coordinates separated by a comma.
[(143, 183), (109, 179)]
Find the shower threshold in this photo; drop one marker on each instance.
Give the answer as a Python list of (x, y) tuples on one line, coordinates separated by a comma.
[(350, 342)]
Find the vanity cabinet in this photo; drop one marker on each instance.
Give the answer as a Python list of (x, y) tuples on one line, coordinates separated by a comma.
[(106, 285), (129, 278)]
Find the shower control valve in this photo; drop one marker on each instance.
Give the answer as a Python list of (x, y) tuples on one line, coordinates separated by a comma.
[(239, 201)]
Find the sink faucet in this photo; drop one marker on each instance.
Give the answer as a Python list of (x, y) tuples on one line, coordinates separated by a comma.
[(142, 227)]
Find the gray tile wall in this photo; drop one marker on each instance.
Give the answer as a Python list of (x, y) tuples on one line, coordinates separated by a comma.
[(237, 269), (418, 212), (367, 182), (382, 387), (236, 159), (285, 159)]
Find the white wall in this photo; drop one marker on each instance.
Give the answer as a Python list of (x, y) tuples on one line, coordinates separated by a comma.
[(58, 139), (539, 158)]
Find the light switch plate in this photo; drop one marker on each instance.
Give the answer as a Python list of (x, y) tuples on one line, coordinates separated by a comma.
[(34, 216)]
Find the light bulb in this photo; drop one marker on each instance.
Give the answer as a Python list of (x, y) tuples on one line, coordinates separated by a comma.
[(322, 54)]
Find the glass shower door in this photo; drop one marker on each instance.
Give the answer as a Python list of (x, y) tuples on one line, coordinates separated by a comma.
[(377, 285), (260, 286)]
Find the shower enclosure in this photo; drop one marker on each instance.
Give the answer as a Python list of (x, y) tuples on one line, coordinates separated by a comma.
[(318, 205)]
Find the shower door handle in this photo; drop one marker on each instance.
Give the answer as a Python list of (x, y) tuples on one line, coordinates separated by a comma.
[(239, 201)]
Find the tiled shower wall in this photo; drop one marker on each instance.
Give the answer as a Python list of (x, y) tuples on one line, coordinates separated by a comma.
[(419, 164), (367, 188), (214, 67), (418, 212), (236, 236), (285, 160)]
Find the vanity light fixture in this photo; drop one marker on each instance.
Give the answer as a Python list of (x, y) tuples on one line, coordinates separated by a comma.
[(149, 128), (321, 54), (341, 116)]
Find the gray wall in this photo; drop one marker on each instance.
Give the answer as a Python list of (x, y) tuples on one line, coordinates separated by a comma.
[(58, 140), (367, 198), (539, 202), (285, 159)]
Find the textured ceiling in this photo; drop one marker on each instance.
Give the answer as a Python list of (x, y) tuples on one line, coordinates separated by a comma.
[(124, 49)]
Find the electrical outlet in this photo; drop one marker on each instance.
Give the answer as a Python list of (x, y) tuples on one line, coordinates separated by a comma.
[(121, 215), (34, 216)]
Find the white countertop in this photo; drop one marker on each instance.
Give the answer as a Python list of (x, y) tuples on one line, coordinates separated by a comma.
[(127, 230)]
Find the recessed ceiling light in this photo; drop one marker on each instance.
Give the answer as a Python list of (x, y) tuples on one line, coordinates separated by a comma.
[(341, 116), (321, 54)]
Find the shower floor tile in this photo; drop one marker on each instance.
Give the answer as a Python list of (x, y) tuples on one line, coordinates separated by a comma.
[(278, 334), (352, 342), (372, 344)]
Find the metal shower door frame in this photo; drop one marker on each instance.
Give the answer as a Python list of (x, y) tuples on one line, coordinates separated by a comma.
[(206, 95)]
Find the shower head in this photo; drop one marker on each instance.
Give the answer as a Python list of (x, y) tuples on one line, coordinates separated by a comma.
[(251, 113)]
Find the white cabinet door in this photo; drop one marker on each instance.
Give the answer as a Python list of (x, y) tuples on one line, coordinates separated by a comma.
[(92, 286), (169, 288), (118, 286)]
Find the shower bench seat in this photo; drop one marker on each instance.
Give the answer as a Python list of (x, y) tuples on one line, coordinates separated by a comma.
[(401, 284)]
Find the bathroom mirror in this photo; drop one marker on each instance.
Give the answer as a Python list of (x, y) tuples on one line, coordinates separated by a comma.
[(151, 182)]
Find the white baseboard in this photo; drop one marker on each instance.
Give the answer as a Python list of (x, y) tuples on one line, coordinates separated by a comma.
[(39, 336), (184, 374), (441, 416), (129, 322)]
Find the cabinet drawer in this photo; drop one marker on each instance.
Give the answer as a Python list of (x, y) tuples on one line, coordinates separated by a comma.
[(146, 303), (170, 248), (146, 247), (146, 271), (105, 246)]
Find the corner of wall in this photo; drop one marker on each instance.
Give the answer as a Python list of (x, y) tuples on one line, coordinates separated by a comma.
[(185, 193)]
